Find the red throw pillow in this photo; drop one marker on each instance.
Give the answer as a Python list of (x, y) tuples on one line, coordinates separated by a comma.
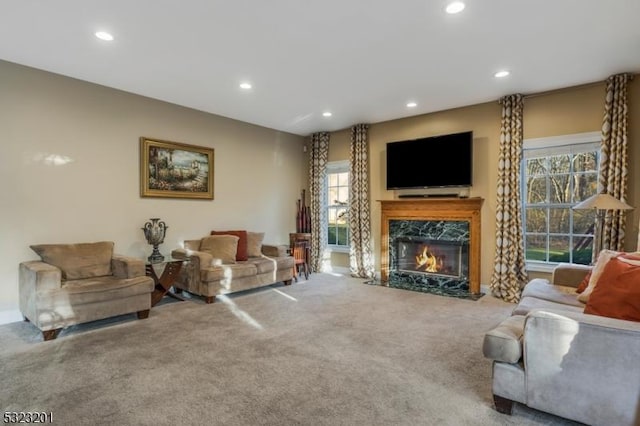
[(584, 283), (617, 293), (242, 242)]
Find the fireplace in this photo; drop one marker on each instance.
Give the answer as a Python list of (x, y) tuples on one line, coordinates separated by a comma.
[(432, 245), (431, 257)]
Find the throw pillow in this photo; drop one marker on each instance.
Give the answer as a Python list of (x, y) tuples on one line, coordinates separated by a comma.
[(617, 294), (78, 261), (603, 259), (223, 247), (242, 242), (254, 244), (584, 283)]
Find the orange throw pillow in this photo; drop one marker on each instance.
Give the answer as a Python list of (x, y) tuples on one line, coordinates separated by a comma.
[(242, 243), (617, 293), (584, 283)]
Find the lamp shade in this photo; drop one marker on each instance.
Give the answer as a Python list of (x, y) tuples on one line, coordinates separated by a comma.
[(602, 202)]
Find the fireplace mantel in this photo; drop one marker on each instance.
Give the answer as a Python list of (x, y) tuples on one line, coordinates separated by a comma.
[(435, 209)]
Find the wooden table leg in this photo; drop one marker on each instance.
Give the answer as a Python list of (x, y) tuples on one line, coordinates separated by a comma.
[(166, 280)]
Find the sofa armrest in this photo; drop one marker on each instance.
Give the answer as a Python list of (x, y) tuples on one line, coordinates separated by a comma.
[(127, 267), (197, 258), (34, 277), (578, 364), (271, 250), (569, 275), (37, 276), (180, 253), (190, 274)]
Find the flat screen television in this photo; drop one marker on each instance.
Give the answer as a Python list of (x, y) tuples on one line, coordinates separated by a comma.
[(432, 162)]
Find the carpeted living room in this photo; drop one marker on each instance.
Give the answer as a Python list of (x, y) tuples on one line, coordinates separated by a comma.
[(333, 213)]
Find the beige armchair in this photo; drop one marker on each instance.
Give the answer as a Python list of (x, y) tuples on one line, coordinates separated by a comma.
[(77, 283)]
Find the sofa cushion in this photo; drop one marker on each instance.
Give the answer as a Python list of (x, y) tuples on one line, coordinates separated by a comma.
[(268, 264), (617, 293), (78, 261), (254, 243), (569, 274), (263, 264), (543, 289), (223, 247), (241, 253), (527, 304), (218, 273), (603, 258), (100, 289), (504, 343), (584, 283)]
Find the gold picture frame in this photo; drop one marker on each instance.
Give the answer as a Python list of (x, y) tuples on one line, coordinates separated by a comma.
[(175, 170)]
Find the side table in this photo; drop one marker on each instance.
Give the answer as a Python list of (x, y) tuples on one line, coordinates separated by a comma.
[(163, 284)]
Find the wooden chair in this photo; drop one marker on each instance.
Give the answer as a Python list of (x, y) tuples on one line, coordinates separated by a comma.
[(301, 237), (299, 252)]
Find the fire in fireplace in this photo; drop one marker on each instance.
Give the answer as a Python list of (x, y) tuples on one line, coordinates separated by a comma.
[(425, 256)]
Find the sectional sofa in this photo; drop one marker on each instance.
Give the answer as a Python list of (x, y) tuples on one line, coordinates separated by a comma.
[(551, 356)]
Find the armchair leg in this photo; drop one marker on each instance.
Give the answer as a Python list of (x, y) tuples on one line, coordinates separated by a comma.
[(503, 405), (50, 334), (210, 299), (288, 282), (143, 314), (25, 319), (177, 290)]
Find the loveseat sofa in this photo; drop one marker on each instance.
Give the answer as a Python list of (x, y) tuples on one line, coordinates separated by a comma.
[(551, 356), (214, 266)]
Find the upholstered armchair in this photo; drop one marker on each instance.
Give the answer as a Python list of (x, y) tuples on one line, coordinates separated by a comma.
[(77, 283)]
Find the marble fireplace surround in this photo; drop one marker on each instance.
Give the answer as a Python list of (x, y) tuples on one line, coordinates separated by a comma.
[(465, 212)]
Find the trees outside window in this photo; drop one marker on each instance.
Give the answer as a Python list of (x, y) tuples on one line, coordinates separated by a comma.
[(338, 204), (555, 177)]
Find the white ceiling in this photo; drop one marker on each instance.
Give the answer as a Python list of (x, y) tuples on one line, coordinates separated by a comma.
[(363, 60)]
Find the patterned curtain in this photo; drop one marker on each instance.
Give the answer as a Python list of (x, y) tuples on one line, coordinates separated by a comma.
[(509, 273), (614, 158), (360, 255), (318, 194)]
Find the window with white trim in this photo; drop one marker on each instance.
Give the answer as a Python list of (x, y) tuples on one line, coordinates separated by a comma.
[(558, 173), (337, 204)]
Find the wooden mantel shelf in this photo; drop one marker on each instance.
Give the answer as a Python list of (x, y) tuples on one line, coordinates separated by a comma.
[(466, 209), (433, 204)]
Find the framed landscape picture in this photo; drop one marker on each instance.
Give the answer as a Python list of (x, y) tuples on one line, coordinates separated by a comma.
[(175, 170)]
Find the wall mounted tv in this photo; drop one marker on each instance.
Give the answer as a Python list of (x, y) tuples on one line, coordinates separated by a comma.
[(433, 162)]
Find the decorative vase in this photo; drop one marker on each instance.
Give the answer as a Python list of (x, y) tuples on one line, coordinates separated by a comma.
[(154, 232)]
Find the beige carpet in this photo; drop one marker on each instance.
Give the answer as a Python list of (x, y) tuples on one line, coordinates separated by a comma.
[(328, 351)]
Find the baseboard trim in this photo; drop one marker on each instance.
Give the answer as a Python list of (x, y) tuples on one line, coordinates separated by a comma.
[(340, 270), (10, 316)]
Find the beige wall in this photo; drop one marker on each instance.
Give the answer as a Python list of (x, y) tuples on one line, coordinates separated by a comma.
[(259, 172), (572, 110)]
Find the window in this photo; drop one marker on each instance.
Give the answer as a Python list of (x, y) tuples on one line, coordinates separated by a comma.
[(337, 204), (558, 173)]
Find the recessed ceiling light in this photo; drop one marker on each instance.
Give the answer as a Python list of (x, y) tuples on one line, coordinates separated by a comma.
[(103, 35), (501, 74), (455, 7), (412, 105), (326, 114), (245, 86)]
